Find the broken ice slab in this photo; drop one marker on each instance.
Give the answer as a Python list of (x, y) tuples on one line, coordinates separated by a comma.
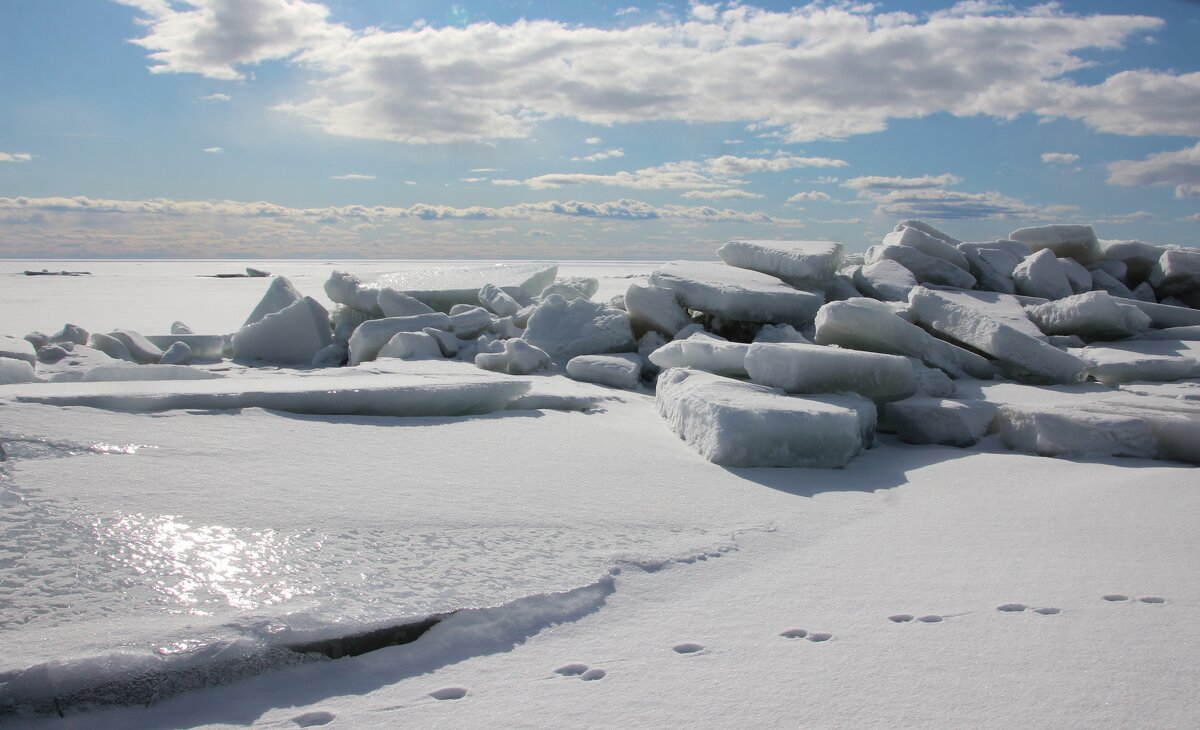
[(1177, 272), (1165, 315), (291, 336), (987, 323), (17, 349), (444, 286), (885, 280), (796, 262), (1139, 257), (865, 324), (279, 295), (1190, 333), (377, 394), (800, 368), (204, 347), (738, 424), (927, 269), (737, 294), (939, 421), (1067, 432), (565, 329), (1175, 423), (1093, 316), (703, 352), (616, 371), (927, 244), (992, 263), (370, 336), (655, 308), (1042, 275), (1138, 360), (1076, 241)]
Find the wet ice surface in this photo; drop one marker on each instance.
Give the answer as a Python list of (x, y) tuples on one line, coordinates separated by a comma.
[(166, 535)]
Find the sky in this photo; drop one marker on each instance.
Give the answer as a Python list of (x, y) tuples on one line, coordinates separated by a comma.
[(528, 129)]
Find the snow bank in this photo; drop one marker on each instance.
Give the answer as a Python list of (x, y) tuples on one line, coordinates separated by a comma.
[(744, 425)]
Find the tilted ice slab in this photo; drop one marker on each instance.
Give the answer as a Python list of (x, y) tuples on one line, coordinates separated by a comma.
[(927, 269), (292, 335), (1151, 361), (1165, 315), (1177, 272), (926, 244), (565, 329), (732, 423), (443, 287), (1042, 275), (1093, 316), (796, 262), (923, 420), (800, 368), (370, 336), (965, 320), (17, 348), (703, 352), (865, 324), (403, 395), (737, 294), (204, 347), (1062, 239)]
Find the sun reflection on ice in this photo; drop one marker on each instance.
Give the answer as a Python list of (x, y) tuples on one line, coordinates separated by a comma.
[(204, 565)]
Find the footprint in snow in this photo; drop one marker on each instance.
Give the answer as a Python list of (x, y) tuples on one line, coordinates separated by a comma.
[(1019, 607), (1114, 597), (813, 636), (901, 618), (688, 648), (312, 719), (571, 670), (592, 675), (449, 693)]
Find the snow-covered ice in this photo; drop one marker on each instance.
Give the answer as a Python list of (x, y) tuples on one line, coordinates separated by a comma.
[(292, 335), (1042, 275), (927, 269), (443, 287), (17, 348), (741, 424), (798, 263), (1061, 239), (370, 336), (702, 351), (737, 294), (655, 308), (280, 295), (1092, 316), (924, 420), (565, 329), (800, 368), (885, 280), (615, 371)]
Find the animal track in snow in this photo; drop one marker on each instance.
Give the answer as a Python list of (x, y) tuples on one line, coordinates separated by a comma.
[(449, 693), (813, 636), (571, 670), (592, 675), (1143, 599), (312, 719), (1019, 607), (688, 648), (900, 618), (931, 618)]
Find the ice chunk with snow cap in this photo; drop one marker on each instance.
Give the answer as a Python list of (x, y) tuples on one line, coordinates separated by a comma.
[(815, 369), (444, 286), (655, 308), (373, 334), (737, 294), (865, 324), (795, 262), (885, 280), (992, 263), (177, 353), (411, 346), (346, 288), (1176, 272), (470, 322), (615, 371), (398, 304), (291, 336), (939, 421), (16, 348), (280, 294), (927, 269), (1092, 316), (738, 424), (1042, 275), (1139, 257), (110, 346), (565, 329), (703, 352), (962, 319), (926, 244), (14, 371), (497, 300), (516, 357), (926, 228), (1061, 239), (144, 351)]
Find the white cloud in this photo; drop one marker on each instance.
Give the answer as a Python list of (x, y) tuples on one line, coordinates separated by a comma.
[(214, 37), (941, 204), (809, 195), (15, 157), (593, 140), (596, 157), (474, 179), (1180, 168), (352, 176), (726, 194), (486, 169), (839, 221), (874, 183), (217, 97), (813, 72), (1134, 217), (214, 150), (1059, 158), (714, 173), (623, 209)]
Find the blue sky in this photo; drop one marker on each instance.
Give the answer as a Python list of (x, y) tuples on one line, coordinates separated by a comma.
[(493, 129)]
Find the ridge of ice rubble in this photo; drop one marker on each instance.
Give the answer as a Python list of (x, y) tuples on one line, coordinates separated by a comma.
[(898, 325)]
